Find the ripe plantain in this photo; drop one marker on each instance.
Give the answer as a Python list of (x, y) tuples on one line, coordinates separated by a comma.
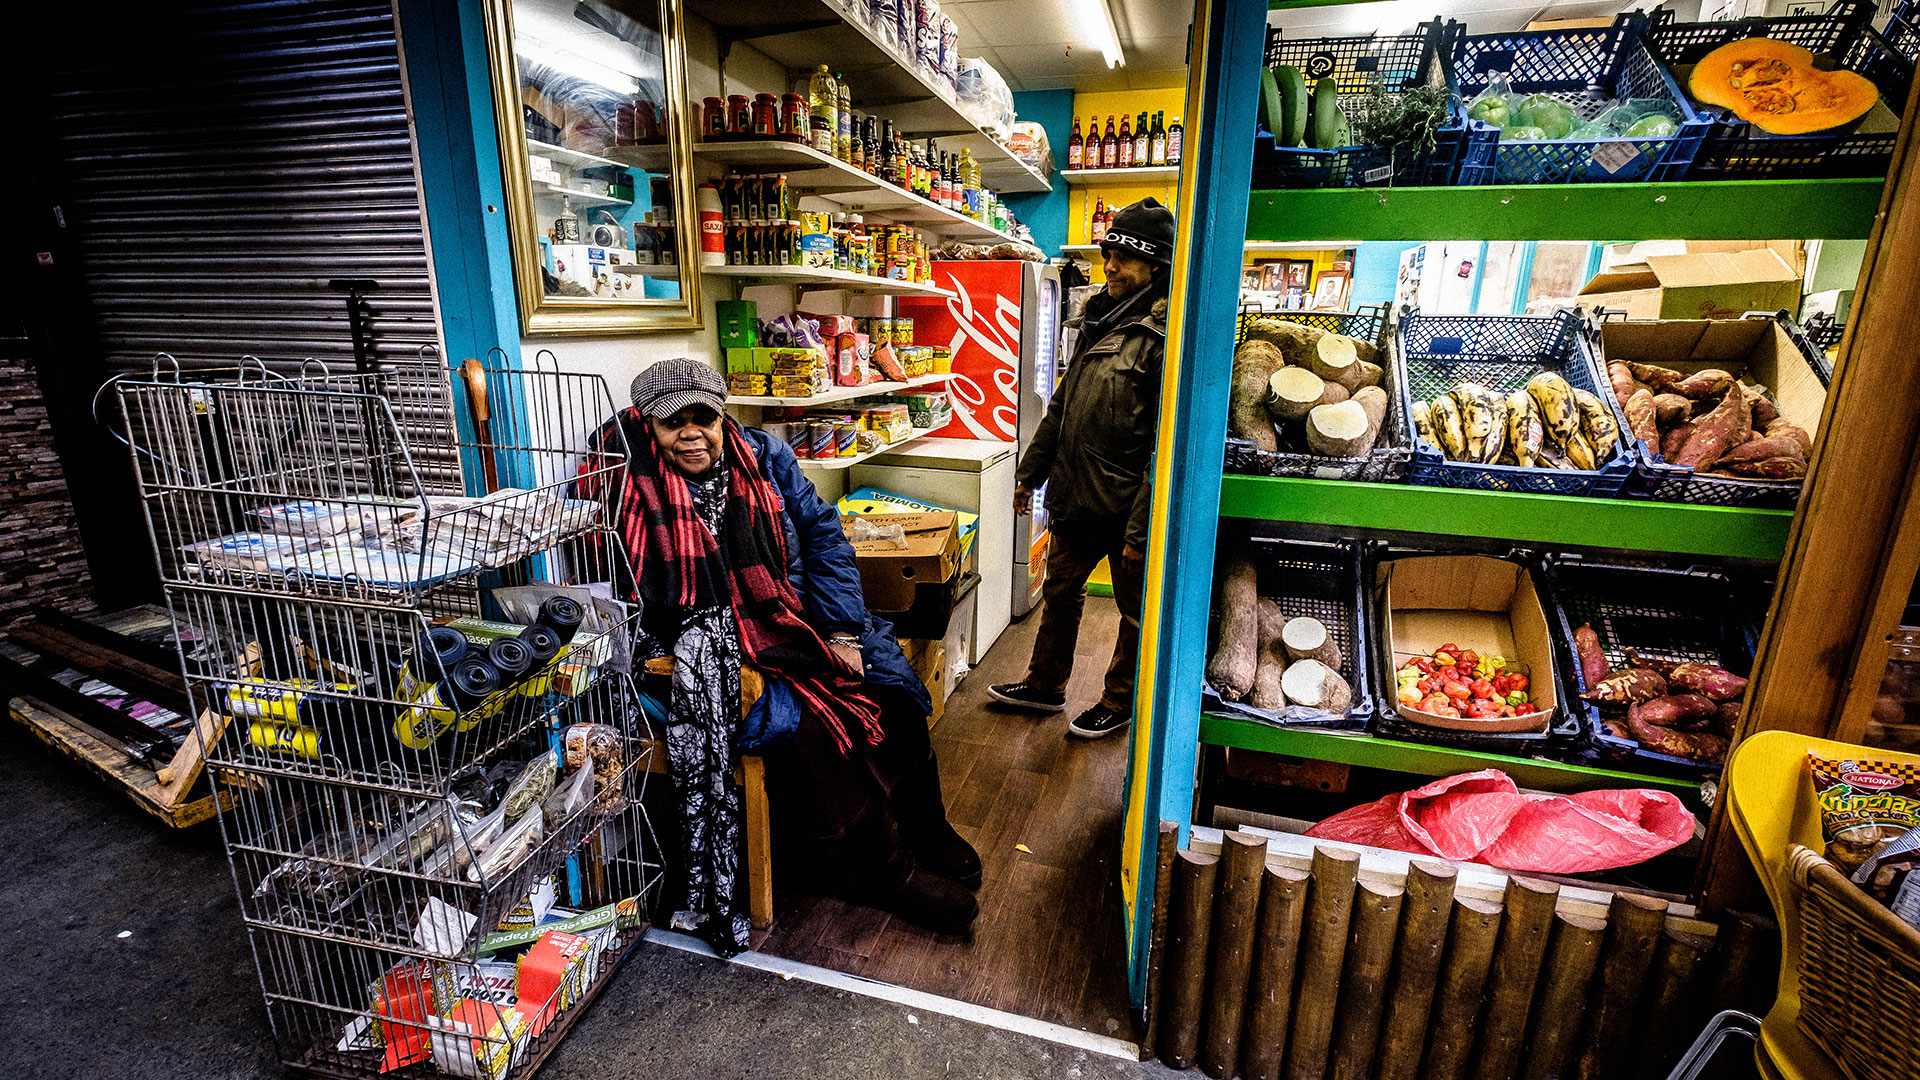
[(1423, 423), (1597, 423), (1496, 439), (1476, 418), (1525, 434), (1445, 416), (1558, 413), (1580, 452)]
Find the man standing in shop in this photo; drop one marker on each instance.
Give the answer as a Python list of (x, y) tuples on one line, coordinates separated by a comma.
[(1094, 452)]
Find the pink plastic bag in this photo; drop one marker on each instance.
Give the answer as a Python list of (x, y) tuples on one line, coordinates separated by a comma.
[(1483, 817)]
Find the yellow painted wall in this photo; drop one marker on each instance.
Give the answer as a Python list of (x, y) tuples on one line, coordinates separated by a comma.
[(1322, 261), (1170, 100)]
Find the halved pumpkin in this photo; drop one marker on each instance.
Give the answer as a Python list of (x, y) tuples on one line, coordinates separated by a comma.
[(1774, 86)]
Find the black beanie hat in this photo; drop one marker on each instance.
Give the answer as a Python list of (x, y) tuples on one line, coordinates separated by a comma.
[(1144, 229)]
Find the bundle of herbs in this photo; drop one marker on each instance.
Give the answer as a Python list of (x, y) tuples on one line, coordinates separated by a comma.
[(1408, 121)]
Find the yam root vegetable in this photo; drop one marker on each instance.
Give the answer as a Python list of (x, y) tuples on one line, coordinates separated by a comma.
[(1593, 661), (1693, 745), (1295, 341), (1247, 416), (1336, 359), (1707, 382), (1642, 411), (1657, 378), (1717, 432), (1270, 658), (1236, 657), (1621, 376), (1726, 719), (1293, 392), (1782, 428), (1677, 710), (1372, 374), (1664, 667), (1628, 687), (1670, 409), (1306, 638), (1341, 429), (1773, 468), (1767, 446), (1675, 438), (1714, 682), (1313, 685)]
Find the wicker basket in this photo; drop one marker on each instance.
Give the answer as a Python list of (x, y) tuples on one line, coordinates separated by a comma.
[(1859, 973)]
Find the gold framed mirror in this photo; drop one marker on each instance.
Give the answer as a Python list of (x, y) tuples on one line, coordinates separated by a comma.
[(595, 136)]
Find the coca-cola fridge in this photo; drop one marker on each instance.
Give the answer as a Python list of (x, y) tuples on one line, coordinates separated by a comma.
[(1003, 325)]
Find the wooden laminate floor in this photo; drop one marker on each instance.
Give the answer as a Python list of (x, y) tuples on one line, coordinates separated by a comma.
[(1048, 943)]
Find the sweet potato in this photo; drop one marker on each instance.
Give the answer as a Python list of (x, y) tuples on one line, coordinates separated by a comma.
[(1643, 417), (1782, 428), (1726, 719), (1270, 659), (1692, 745), (1254, 363), (1670, 409), (1677, 710), (1629, 687), (1774, 468), (1760, 449), (1621, 377), (1236, 657), (1664, 667), (1617, 728), (1675, 438), (1658, 379), (1706, 382), (1593, 662), (1717, 432), (1714, 682)]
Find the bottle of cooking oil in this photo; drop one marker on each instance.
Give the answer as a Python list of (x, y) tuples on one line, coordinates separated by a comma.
[(843, 130), (823, 111), (970, 183)]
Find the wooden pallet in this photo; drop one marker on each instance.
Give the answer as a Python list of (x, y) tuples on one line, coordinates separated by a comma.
[(167, 791)]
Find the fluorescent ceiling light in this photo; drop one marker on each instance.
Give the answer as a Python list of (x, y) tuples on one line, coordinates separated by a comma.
[(572, 63), (1096, 28)]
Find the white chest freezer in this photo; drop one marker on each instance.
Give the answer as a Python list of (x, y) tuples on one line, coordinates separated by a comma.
[(966, 474)]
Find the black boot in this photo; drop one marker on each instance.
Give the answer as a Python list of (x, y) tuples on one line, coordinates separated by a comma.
[(881, 873), (922, 814)]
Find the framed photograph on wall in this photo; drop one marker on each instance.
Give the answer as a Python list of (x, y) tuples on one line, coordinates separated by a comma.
[(1330, 292), (1299, 273)]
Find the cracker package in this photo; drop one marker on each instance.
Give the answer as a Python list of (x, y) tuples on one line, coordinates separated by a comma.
[(1867, 810)]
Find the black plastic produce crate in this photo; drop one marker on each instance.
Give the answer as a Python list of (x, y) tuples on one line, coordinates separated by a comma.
[(1367, 322), (1584, 68), (1736, 150), (1903, 30), (1397, 62), (1564, 738), (1386, 463), (1792, 388), (1433, 353), (1662, 614), (1323, 581)]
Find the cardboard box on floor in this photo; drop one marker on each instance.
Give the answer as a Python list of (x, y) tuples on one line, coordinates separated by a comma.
[(1696, 285), (928, 658), (1755, 351), (1476, 602), (889, 575)]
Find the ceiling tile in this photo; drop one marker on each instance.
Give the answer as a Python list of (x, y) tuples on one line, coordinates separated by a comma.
[(961, 21), (1139, 19), (1157, 54), (1029, 62), (1024, 22)]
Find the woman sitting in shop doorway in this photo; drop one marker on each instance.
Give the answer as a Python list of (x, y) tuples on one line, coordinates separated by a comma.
[(740, 561)]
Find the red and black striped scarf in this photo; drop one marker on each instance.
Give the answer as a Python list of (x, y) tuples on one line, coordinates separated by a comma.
[(681, 567)]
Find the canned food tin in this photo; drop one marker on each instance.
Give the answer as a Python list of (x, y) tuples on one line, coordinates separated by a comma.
[(880, 331), (902, 330), (820, 435), (846, 438), (800, 439)]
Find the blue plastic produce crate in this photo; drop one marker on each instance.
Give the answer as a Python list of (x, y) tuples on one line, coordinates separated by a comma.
[(1661, 614), (1398, 62), (1903, 30), (1587, 69), (1433, 353), (1735, 150), (1323, 581)]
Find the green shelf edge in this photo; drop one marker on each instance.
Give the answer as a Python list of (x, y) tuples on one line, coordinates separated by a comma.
[(1716, 210), (1421, 759), (1634, 525)]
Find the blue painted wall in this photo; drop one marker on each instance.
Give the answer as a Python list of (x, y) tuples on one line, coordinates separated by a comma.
[(1376, 267), (1046, 214)]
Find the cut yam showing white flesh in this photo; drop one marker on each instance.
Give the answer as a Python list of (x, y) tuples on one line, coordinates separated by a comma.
[(1341, 430), (1293, 392), (1306, 638), (1336, 359), (1313, 685)]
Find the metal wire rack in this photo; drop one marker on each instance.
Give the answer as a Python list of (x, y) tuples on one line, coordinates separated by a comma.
[(400, 608)]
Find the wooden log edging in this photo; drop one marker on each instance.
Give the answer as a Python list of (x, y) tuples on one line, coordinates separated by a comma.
[(1189, 924), (1283, 906), (1423, 941), (1235, 918)]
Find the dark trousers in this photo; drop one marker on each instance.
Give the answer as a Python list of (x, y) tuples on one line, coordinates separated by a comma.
[(1072, 555)]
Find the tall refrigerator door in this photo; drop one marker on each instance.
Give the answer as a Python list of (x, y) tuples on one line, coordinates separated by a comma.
[(1039, 362)]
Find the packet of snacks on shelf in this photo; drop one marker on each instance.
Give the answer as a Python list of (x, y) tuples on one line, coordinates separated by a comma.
[(1870, 817), (600, 746)]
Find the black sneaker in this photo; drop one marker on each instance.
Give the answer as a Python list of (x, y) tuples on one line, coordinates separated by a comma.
[(1027, 697), (1098, 721)]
